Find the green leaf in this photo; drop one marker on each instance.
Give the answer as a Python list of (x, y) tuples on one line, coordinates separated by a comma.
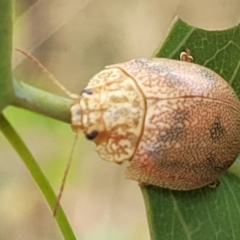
[(37, 175), (201, 214), (217, 50), (205, 213), (6, 89)]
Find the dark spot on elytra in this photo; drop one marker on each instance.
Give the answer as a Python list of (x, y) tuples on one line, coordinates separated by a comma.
[(218, 165), (171, 134), (177, 130), (180, 116), (174, 80), (209, 76), (159, 69), (211, 162), (216, 129), (174, 133)]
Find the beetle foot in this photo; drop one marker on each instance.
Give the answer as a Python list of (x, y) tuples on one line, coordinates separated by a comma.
[(186, 56), (214, 184)]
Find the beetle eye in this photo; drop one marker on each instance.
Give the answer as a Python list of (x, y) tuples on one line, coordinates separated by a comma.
[(87, 91), (93, 134)]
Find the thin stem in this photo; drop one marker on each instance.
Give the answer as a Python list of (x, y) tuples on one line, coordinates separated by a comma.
[(42, 102), (38, 176), (6, 88)]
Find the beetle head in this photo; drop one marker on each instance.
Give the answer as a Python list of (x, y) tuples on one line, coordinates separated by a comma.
[(110, 112)]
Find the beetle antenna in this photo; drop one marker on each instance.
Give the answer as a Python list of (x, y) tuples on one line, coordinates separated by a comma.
[(48, 74), (65, 175)]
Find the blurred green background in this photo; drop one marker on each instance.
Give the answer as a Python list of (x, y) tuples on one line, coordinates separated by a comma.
[(74, 40)]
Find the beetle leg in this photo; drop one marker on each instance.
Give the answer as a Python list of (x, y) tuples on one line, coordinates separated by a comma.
[(186, 56), (214, 184)]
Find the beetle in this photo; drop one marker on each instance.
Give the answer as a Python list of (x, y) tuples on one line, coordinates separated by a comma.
[(176, 123)]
